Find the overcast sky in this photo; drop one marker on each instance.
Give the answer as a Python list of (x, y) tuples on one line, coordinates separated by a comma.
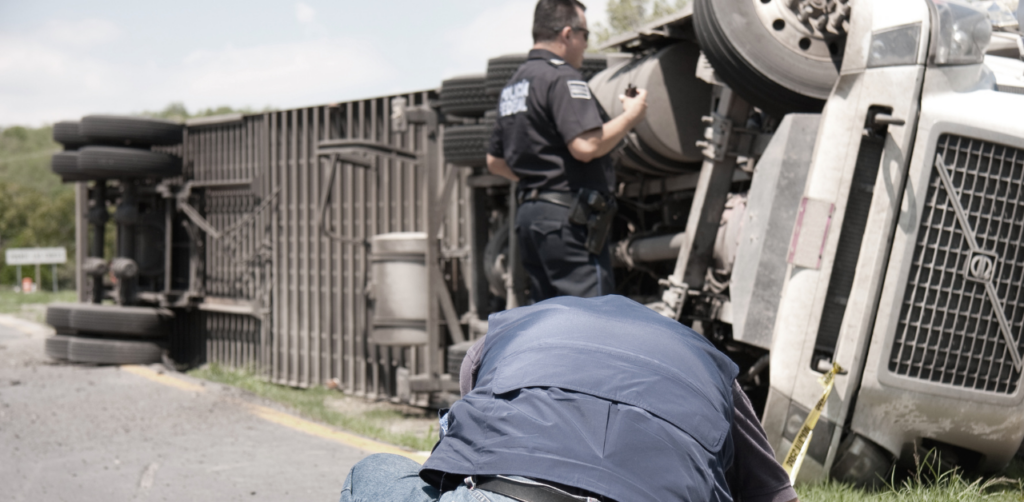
[(62, 59)]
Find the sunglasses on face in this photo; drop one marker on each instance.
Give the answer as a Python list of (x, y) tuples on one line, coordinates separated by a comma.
[(586, 33)]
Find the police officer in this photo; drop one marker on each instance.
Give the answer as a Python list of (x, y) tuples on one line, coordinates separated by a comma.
[(552, 138)]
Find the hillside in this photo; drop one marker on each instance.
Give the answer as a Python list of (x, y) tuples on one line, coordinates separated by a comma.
[(36, 209)]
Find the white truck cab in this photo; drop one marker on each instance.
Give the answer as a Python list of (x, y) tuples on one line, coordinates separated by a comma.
[(905, 261)]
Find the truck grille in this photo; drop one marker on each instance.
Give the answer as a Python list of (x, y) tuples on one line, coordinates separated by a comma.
[(961, 317)]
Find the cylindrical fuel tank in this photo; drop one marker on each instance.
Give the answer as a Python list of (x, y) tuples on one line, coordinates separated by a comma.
[(399, 281), (664, 143)]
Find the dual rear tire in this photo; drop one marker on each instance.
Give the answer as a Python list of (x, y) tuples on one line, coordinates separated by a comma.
[(107, 334), (114, 147)]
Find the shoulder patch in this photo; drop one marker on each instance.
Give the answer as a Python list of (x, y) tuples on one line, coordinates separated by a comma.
[(513, 98), (556, 61), (578, 89)]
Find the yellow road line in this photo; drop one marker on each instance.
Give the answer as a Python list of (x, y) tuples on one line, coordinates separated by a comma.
[(285, 419), (315, 429), (167, 380)]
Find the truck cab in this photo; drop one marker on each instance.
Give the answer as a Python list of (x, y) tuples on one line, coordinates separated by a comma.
[(880, 226)]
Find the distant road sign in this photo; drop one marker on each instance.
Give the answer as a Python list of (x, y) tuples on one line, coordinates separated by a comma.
[(34, 256)]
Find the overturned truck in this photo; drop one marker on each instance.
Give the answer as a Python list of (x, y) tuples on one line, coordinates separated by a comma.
[(817, 185)]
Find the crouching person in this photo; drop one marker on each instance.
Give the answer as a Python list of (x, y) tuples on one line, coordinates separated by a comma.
[(596, 399)]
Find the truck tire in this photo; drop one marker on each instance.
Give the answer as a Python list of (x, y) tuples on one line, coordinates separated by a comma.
[(497, 246), (501, 69), (130, 131), (136, 322), (778, 77), (66, 133), (65, 165), (465, 97), (103, 162), (57, 347), (58, 315), (109, 351), (466, 145)]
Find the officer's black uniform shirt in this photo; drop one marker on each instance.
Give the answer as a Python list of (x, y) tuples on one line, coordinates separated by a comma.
[(544, 106)]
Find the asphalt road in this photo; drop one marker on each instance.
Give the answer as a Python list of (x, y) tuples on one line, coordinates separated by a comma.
[(81, 433)]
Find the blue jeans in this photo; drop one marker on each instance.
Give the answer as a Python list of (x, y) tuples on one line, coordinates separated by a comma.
[(390, 478)]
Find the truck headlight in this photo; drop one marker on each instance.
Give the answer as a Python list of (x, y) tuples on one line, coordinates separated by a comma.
[(895, 46), (962, 33)]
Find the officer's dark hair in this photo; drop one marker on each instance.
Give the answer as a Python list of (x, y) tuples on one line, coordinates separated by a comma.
[(551, 16)]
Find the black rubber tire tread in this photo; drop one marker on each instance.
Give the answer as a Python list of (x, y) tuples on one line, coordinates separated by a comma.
[(501, 69), (742, 76), (122, 163), (131, 131), (65, 165), (66, 133), (497, 244), (466, 145), (465, 97), (140, 322), (108, 351), (456, 353), (57, 347), (58, 315)]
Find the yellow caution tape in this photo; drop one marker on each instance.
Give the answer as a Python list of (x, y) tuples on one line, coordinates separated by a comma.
[(798, 450)]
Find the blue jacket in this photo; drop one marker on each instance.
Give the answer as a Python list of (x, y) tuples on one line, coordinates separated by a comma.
[(602, 394)]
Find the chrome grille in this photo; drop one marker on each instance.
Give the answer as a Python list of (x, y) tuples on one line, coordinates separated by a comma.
[(961, 316)]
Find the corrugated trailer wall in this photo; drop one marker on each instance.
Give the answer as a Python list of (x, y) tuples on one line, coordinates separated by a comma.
[(286, 289), (235, 266)]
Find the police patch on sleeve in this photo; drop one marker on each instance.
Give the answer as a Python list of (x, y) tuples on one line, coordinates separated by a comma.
[(513, 98), (578, 89)]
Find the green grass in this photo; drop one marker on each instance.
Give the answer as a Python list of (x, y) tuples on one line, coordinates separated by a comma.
[(928, 484), (312, 403), (13, 303)]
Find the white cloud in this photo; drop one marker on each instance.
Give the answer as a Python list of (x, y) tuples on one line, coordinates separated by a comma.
[(502, 29), (292, 74), (41, 81), (498, 30), (81, 33), (304, 13)]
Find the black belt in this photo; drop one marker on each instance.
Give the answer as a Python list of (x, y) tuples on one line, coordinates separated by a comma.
[(564, 199), (528, 492)]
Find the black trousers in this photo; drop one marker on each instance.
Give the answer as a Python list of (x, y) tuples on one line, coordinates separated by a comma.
[(554, 255)]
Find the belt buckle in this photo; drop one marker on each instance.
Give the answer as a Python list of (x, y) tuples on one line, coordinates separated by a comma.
[(529, 195)]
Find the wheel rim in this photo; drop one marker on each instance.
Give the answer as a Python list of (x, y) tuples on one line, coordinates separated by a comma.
[(812, 28)]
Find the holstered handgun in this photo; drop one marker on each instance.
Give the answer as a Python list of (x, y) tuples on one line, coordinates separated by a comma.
[(592, 209)]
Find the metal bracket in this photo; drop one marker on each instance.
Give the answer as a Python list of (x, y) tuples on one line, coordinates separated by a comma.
[(716, 136), (721, 139), (674, 296), (182, 195)]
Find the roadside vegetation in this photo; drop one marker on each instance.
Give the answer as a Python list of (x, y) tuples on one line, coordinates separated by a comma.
[(32, 306), (928, 484), (398, 425), (36, 209), (631, 15)]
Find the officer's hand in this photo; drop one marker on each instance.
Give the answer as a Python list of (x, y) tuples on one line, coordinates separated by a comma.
[(636, 106)]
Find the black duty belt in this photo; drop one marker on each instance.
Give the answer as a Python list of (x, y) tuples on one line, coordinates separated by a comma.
[(564, 199), (526, 491)]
